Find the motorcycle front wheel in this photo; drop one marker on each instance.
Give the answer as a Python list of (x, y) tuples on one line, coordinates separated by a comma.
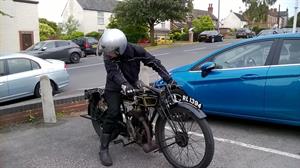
[(186, 142)]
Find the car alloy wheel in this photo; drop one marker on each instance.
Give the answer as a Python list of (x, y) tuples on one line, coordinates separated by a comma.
[(74, 58)]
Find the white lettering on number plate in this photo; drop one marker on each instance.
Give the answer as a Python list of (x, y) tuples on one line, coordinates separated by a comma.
[(191, 101)]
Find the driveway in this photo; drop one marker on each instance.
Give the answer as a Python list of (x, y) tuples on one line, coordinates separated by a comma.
[(72, 143)]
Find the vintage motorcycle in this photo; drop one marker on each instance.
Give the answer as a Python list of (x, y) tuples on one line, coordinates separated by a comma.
[(178, 125)]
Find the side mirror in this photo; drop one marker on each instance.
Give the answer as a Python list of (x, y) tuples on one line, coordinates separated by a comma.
[(207, 67), (44, 48)]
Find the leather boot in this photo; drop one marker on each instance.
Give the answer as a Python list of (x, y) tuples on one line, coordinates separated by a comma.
[(104, 152)]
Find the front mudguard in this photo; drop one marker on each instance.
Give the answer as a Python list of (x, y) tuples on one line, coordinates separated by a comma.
[(197, 112), (190, 108)]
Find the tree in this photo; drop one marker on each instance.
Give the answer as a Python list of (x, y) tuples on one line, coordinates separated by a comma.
[(46, 32), (151, 12), (291, 21), (257, 10), (203, 23), (53, 25), (132, 32), (268, 2), (70, 26)]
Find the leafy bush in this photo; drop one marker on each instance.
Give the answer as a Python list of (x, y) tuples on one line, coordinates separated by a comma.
[(257, 29), (203, 23), (175, 36), (46, 32), (184, 36)]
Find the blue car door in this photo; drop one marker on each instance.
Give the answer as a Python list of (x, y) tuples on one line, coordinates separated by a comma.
[(3, 81), (238, 87), (283, 83)]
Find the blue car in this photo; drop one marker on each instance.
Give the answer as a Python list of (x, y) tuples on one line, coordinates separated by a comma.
[(253, 79)]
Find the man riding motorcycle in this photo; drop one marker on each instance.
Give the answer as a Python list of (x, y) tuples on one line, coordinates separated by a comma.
[(122, 63)]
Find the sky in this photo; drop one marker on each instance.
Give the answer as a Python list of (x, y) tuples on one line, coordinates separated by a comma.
[(52, 9)]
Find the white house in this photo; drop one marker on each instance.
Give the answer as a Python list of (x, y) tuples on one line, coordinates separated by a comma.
[(19, 29), (162, 28), (93, 15), (234, 21)]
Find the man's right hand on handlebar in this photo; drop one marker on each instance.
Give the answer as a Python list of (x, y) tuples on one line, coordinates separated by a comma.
[(127, 89)]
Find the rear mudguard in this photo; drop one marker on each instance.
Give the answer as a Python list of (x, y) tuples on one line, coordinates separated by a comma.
[(197, 112)]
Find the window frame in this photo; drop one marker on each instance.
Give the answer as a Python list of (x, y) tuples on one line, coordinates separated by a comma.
[(30, 61), (5, 68), (269, 60), (278, 51), (57, 44), (100, 17), (45, 45)]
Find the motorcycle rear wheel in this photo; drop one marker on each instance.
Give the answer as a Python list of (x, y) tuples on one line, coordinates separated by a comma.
[(95, 114)]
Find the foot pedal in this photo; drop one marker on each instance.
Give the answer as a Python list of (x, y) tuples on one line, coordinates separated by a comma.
[(118, 141)]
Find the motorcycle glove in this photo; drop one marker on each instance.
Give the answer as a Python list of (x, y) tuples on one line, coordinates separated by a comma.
[(127, 89)]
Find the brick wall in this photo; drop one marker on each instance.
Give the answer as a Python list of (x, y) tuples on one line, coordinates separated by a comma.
[(21, 114)]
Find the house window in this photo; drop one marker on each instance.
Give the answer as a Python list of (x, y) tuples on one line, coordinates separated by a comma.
[(100, 18), (101, 30), (163, 25), (26, 39)]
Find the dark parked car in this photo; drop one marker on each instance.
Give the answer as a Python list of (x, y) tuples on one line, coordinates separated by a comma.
[(210, 36), (56, 49), (87, 44), (244, 33)]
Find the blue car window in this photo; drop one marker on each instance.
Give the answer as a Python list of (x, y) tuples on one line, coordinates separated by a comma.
[(2, 69), (249, 55), (18, 65), (290, 52)]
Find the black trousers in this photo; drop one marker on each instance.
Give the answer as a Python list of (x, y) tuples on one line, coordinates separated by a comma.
[(113, 115)]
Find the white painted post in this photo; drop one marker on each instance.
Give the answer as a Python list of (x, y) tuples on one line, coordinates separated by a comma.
[(145, 74), (47, 100)]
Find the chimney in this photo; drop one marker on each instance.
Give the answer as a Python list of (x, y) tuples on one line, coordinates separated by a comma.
[(210, 9)]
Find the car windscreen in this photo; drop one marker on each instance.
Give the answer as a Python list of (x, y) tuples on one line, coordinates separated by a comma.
[(92, 40), (36, 46), (209, 33)]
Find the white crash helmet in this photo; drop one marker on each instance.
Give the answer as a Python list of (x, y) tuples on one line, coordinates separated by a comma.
[(112, 40)]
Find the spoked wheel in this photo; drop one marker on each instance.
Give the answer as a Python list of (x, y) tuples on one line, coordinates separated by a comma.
[(186, 143)]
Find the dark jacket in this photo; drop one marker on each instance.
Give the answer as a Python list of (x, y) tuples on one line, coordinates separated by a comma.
[(126, 68)]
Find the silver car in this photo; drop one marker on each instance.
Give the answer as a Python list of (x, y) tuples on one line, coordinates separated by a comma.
[(20, 75)]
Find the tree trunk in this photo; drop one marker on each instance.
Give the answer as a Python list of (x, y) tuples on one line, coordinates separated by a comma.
[(152, 34)]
